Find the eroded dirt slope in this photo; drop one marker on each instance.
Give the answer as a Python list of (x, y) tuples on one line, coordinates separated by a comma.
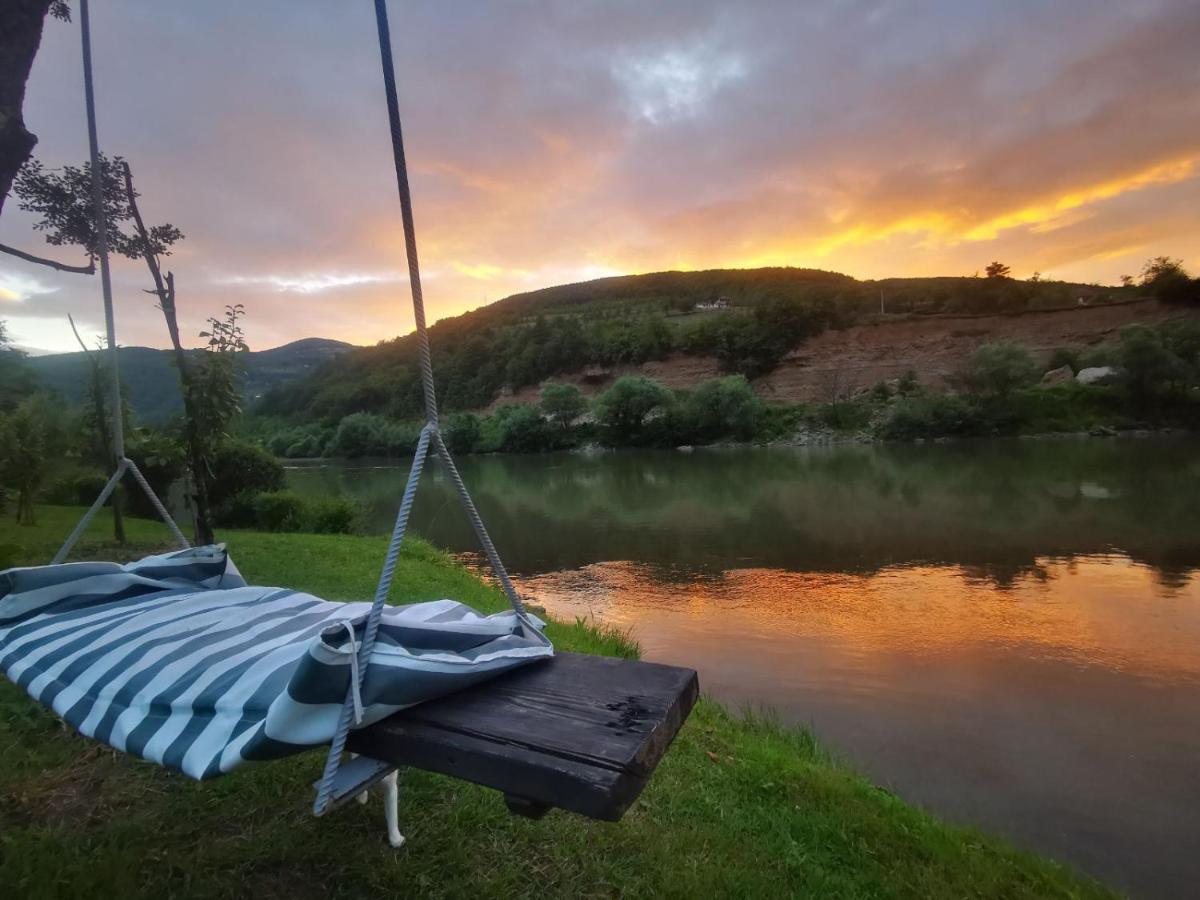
[(838, 364)]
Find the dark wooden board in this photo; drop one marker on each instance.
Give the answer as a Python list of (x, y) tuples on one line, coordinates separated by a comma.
[(581, 733)]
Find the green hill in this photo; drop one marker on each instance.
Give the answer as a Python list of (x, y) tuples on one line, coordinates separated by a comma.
[(747, 319), (152, 388)]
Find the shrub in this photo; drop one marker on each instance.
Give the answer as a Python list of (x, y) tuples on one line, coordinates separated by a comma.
[(1182, 337), (999, 369), (463, 433), (308, 446), (23, 456), (161, 461), (302, 442), (78, 489), (85, 487), (932, 416), (881, 392), (1069, 407), (523, 430), (333, 515), (278, 442), (359, 434), (563, 404), (367, 434), (846, 415), (237, 511), (239, 467), (400, 438), (1166, 280), (1149, 364), (279, 511), (241, 471), (720, 408), (1064, 357), (907, 385), (622, 410), (779, 421)]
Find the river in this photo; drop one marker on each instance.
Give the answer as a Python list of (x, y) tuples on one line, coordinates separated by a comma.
[(1005, 632)]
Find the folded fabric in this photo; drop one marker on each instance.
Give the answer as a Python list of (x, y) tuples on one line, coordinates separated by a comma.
[(175, 659)]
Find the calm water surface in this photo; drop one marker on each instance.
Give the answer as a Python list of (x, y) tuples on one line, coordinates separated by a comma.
[(1006, 632)]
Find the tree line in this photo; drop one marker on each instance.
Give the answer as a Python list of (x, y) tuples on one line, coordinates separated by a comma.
[(1152, 379)]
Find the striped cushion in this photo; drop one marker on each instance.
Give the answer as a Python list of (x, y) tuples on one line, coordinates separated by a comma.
[(176, 659)]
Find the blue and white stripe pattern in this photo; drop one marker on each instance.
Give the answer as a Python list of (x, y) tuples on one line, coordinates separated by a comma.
[(175, 659)]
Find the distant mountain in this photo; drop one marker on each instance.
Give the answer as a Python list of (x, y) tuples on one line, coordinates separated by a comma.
[(152, 388)]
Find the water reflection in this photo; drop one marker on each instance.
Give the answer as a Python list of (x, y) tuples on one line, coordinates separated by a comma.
[(993, 508), (1061, 709), (1097, 612), (1007, 632)]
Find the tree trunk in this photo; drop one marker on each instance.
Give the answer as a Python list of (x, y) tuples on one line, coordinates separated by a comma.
[(164, 289), (20, 36), (25, 514), (115, 498), (196, 461)]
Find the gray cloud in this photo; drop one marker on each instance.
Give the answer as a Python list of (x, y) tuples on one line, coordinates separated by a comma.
[(557, 140)]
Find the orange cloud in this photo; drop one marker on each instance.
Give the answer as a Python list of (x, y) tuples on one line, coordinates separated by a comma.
[(1041, 214)]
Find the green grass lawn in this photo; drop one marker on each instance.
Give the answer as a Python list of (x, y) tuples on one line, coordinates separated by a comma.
[(741, 806)]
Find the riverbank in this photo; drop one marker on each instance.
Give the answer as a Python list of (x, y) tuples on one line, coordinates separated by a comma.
[(1005, 399), (741, 806)]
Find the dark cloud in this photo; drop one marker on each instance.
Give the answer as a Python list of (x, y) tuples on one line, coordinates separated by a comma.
[(554, 141)]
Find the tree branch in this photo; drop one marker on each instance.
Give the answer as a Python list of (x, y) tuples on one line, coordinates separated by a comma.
[(89, 269), (82, 345), (143, 235)]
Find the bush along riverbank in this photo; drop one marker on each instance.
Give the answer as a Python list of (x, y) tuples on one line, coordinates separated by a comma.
[(741, 806), (1148, 379)]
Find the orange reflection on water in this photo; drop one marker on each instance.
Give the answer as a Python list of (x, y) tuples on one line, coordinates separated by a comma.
[(1106, 612)]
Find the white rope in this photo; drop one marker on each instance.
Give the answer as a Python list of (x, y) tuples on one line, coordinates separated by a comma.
[(155, 502), (429, 434), (333, 759), (83, 523)]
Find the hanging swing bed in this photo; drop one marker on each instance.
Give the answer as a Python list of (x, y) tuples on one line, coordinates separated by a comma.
[(174, 658)]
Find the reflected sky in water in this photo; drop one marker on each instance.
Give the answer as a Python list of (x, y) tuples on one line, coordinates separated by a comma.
[(1007, 632), (1090, 611)]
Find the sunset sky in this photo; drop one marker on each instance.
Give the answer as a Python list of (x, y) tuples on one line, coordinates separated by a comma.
[(559, 141)]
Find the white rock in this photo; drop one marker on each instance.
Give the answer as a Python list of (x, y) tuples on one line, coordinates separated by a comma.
[(1095, 374)]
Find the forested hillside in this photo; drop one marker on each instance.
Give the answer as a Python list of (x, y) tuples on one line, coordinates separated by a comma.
[(152, 389), (747, 320)]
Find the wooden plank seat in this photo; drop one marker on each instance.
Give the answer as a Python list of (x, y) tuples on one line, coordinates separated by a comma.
[(580, 733)]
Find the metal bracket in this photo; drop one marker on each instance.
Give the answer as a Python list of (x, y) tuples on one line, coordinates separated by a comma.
[(356, 776)]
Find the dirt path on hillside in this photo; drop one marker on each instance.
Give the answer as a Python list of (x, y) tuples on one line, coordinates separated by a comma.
[(839, 364)]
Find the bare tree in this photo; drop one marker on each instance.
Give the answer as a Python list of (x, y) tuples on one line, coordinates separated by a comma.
[(152, 246), (63, 201)]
